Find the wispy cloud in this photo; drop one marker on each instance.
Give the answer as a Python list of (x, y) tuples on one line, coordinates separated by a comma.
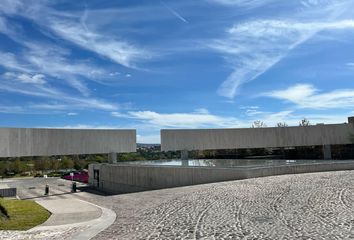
[(176, 14), (49, 68), (120, 52), (25, 78), (307, 96), (71, 26), (243, 3), (47, 92), (255, 46), (198, 118)]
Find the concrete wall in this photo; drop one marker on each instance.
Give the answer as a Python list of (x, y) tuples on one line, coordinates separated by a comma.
[(204, 139), (128, 178), (15, 142)]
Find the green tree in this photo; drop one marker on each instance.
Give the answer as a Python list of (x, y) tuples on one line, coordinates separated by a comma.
[(55, 164), (42, 164), (16, 166), (66, 163)]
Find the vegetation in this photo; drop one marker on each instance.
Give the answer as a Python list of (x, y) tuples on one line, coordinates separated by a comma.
[(21, 214), (282, 124), (259, 124), (55, 165), (304, 122)]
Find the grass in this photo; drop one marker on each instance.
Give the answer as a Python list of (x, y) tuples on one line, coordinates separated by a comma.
[(21, 214)]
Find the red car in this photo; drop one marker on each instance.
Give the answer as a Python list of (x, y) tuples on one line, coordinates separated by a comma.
[(79, 176)]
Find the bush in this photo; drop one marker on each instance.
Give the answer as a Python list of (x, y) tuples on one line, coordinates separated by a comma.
[(38, 175)]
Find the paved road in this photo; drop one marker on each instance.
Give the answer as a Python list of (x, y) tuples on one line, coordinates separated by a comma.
[(72, 217), (34, 188)]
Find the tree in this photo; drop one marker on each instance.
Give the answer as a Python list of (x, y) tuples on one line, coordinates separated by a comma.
[(282, 124), (66, 163), (55, 164), (42, 164), (304, 122), (258, 124), (16, 166)]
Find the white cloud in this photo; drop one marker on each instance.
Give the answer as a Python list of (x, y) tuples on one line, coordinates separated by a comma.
[(307, 96), (72, 114), (40, 59), (255, 46), (252, 112), (112, 74), (243, 3), (72, 27), (11, 109), (118, 51), (82, 126), (176, 14), (51, 61), (180, 120), (48, 92), (148, 138), (198, 119), (25, 78)]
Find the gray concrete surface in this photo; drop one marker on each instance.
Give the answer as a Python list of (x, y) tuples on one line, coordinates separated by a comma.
[(67, 211), (134, 178), (303, 206), (204, 139), (15, 142), (73, 217)]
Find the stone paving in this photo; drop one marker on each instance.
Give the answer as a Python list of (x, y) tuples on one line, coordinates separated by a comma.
[(53, 234), (304, 206)]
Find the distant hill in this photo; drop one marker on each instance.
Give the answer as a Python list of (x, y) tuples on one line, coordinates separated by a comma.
[(147, 145)]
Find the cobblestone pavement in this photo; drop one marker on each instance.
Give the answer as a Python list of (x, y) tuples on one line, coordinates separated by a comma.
[(304, 206), (54, 234)]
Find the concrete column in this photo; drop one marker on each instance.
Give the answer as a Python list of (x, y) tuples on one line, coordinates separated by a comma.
[(184, 154), (351, 120), (185, 163), (112, 157), (327, 153)]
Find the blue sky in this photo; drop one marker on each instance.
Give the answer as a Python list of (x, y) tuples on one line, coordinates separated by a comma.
[(175, 64)]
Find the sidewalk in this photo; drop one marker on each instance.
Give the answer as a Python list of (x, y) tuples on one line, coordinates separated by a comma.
[(68, 211), (71, 219), (77, 214)]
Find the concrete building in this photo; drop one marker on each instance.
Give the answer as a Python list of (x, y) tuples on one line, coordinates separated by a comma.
[(213, 139), (121, 178), (132, 178), (17, 142)]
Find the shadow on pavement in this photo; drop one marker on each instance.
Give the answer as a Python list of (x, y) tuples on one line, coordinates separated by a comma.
[(92, 190)]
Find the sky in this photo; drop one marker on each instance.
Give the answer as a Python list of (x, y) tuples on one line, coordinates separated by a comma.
[(156, 64)]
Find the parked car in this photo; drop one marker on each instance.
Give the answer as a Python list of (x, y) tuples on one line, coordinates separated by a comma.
[(79, 176)]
